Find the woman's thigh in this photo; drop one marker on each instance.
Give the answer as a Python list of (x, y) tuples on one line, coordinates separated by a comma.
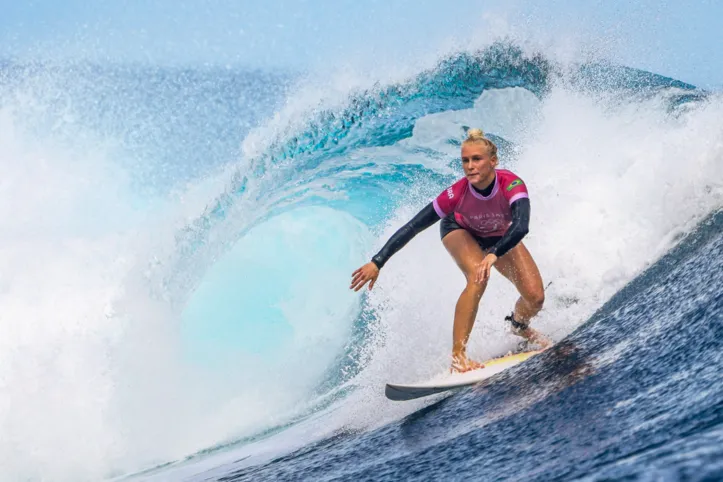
[(518, 266), (465, 251)]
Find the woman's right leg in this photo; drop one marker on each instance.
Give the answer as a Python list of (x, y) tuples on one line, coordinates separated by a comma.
[(467, 254)]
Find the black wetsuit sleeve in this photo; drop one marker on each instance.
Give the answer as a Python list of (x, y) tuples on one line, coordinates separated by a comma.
[(424, 219), (518, 228)]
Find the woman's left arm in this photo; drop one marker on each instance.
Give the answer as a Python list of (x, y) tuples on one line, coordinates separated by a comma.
[(519, 227)]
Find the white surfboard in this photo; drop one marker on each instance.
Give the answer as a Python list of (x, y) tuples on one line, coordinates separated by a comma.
[(401, 392)]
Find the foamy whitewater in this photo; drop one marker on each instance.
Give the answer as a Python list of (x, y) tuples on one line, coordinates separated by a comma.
[(177, 247)]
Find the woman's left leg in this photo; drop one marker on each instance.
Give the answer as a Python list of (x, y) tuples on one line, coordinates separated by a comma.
[(518, 266)]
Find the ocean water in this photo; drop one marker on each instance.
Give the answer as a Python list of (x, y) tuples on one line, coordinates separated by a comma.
[(178, 245)]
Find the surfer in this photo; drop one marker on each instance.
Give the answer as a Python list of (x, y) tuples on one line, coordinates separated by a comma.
[(484, 217)]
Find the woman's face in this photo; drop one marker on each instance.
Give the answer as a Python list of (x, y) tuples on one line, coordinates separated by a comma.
[(478, 164)]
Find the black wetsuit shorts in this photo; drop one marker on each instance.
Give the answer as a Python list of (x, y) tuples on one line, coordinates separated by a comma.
[(449, 224)]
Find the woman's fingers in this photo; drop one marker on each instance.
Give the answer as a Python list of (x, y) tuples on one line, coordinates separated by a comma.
[(483, 272), (359, 281), (356, 276), (357, 285), (481, 276), (361, 276)]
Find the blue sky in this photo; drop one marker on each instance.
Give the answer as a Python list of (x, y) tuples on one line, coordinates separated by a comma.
[(681, 39)]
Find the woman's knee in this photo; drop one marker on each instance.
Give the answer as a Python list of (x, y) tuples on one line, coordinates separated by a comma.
[(536, 298), (475, 288)]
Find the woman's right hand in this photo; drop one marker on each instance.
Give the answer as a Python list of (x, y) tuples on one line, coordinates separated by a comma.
[(367, 273)]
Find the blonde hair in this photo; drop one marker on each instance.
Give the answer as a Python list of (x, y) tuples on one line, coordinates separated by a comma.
[(477, 135)]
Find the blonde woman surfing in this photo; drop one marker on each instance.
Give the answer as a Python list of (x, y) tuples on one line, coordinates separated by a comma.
[(484, 217)]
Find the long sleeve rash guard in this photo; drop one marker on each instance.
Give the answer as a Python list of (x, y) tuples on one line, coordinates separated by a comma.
[(517, 230)]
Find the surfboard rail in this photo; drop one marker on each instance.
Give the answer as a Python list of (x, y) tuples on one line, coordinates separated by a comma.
[(402, 392)]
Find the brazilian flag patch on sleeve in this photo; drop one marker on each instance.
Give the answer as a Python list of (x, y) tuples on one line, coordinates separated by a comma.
[(514, 184)]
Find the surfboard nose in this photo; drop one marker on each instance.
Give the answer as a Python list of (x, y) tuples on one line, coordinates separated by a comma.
[(399, 393)]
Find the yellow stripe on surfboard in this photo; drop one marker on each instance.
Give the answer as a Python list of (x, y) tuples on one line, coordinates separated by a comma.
[(517, 357)]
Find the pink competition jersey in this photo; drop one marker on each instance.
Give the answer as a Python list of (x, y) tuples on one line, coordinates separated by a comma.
[(484, 216)]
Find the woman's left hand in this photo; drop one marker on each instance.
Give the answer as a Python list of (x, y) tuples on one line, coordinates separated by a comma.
[(484, 268)]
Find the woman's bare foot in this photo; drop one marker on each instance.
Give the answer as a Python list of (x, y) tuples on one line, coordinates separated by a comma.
[(461, 364)]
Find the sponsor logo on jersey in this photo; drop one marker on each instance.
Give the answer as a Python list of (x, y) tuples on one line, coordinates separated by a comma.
[(514, 184), (450, 193)]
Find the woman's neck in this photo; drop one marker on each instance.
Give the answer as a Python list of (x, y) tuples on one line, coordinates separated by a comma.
[(486, 186)]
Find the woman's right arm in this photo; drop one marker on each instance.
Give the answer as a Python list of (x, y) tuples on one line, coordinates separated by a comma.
[(424, 219), (370, 271)]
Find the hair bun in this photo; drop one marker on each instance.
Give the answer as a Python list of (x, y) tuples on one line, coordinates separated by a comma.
[(478, 137), (475, 135)]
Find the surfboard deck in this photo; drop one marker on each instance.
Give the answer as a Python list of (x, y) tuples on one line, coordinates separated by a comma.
[(403, 392)]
